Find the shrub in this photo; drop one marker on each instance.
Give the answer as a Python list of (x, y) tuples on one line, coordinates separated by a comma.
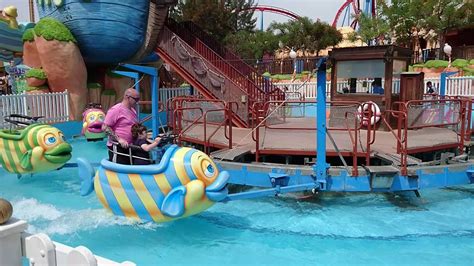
[(436, 63), (28, 35), (460, 63), (52, 29), (36, 73)]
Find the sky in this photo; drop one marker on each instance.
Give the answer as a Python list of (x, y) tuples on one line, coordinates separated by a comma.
[(325, 10)]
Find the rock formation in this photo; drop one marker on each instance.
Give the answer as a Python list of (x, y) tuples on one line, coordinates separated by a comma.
[(51, 47)]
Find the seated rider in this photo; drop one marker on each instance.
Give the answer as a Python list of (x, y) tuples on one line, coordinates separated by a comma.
[(377, 88), (139, 135)]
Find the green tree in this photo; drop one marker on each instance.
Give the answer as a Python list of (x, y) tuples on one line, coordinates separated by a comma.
[(405, 19), (219, 18), (372, 30), (306, 35), (443, 15), (410, 19), (252, 45)]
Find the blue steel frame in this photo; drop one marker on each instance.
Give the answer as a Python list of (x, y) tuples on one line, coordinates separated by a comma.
[(153, 72), (321, 167), (442, 83), (426, 178)]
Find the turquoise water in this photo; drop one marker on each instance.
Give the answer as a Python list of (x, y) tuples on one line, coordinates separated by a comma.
[(333, 229)]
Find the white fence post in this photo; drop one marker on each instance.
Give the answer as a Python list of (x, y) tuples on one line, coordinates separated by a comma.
[(462, 86), (16, 243), (10, 242)]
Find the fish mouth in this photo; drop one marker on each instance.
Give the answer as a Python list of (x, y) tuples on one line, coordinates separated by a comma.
[(95, 127), (218, 191), (59, 154)]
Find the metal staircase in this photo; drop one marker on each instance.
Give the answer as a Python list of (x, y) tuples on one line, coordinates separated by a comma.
[(211, 74)]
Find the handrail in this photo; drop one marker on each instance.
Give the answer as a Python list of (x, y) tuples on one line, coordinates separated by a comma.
[(460, 121), (179, 126), (258, 106), (230, 57), (219, 125), (206, 77), (402, 144), (228, 54), (355, 169)]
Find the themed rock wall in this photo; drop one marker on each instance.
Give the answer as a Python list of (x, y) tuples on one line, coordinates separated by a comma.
[(51, 50)]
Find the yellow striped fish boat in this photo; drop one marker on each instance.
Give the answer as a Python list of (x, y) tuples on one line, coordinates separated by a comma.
[(184, 183), (34, 149)]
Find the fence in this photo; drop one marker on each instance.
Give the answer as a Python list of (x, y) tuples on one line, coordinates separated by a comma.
[(167, 93), (52, 107), (455, 86), (38, 249)]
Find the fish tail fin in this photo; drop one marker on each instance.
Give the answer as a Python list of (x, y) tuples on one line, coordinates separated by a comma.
[(86, 173)]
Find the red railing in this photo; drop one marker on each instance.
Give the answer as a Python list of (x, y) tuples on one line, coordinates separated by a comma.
[(207, 78), (227, 54), (177, 119), (460, 120), (260, 117), (401, 136)]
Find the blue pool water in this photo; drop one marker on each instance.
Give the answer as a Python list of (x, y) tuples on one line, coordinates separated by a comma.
[(334, 229)]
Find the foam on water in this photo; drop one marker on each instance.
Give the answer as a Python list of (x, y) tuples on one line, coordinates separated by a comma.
[(46, 218)]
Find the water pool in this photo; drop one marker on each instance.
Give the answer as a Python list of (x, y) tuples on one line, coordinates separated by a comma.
[(335, 229)]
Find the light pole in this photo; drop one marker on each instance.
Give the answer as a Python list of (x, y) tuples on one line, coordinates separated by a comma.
[(445, 74), (447, 50), (293, 56)]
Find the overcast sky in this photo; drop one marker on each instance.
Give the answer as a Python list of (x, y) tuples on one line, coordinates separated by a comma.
[(325, 10)]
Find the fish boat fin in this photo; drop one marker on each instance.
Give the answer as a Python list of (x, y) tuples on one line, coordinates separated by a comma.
[(173, 204), (25, 162), (86, 173)]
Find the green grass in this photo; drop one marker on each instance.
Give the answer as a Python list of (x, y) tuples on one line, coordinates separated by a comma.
[(51, 29), (28, 35), (36, 73)]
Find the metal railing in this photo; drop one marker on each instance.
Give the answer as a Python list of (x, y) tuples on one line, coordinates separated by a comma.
[(52, 107), (262, 111), (204, 76), (185, 117)]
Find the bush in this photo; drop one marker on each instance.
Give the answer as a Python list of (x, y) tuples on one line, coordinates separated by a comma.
[(436, 63), (460, 63), (266, 75), (468, 71), (471, 62), (36, 73), (52, 29), (28, 35)]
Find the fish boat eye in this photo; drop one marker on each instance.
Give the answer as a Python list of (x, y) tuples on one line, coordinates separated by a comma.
[(50, 139), (209, 171)]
